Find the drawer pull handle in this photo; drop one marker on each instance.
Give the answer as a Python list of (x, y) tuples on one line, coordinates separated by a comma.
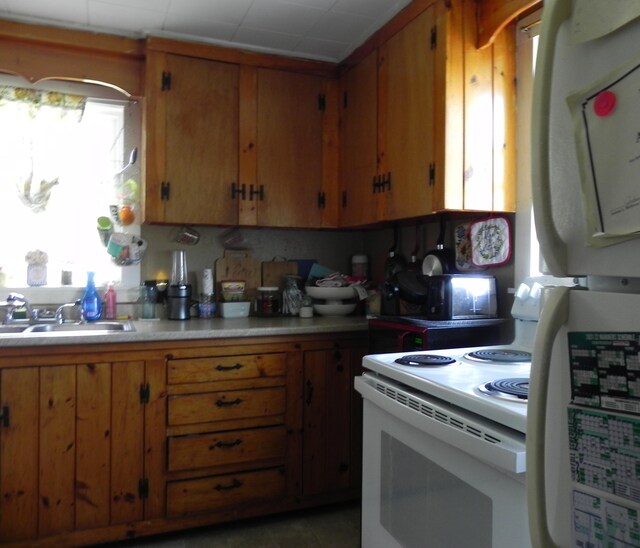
[(227, 444), (233, 485), (223, 403), (229, 367)]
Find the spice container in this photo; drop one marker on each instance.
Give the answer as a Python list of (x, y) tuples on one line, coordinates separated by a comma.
[(268, 302)]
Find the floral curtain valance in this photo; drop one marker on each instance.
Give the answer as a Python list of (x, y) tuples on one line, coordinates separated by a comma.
[(66, 104)]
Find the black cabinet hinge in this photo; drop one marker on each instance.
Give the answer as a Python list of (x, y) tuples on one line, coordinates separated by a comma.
[(344, 198), (4, 417), (165, 189), (238, 191), (145, 393), (434, 37), (258, 193), (322, 102), (322, 200), (165, 81), (143, 488), (386, 181), (432, 174)]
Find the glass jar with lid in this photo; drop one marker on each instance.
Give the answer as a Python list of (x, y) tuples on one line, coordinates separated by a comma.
[(268, 302)]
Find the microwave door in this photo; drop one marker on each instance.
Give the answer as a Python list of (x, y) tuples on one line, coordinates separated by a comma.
[(580, 194)]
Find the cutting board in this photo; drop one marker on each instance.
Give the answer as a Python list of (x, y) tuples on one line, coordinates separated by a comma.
[(273, 272), (238, 265)]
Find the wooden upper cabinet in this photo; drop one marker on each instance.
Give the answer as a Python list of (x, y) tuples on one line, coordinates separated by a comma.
[(406, 131), (358, 143), (192, 147), (291, 183), (443, 120)]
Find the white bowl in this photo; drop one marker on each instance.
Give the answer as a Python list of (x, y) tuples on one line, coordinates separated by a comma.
[(330, 293), (334, 309), (235, 309)]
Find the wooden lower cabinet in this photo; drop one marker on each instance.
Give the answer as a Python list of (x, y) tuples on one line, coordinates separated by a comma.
[(124, 440), (74, 450)]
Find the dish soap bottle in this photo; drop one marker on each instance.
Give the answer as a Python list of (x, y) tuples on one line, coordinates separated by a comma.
[(110, 302), (91, 303)]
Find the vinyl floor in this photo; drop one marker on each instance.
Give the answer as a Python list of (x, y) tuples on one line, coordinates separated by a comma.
[(336, 526)]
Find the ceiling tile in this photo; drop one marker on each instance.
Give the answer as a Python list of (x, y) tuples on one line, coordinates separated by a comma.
[(279, 16), (184, 25), (266, 39), (340, 27), (74, 11), (110, 16), (153, 5), (370, 8), (214, 10)]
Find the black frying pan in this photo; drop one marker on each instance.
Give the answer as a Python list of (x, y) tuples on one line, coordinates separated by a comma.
[(440, 260)]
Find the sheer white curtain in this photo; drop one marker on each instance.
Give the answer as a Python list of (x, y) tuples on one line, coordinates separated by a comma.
[(58, 156)]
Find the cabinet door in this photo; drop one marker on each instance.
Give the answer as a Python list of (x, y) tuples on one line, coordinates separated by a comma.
[(358, 144), (331, 454), (289, 149), (406, 114), (72, 453), (192, 156)]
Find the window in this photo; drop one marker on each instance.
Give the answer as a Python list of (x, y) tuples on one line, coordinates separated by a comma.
[(528, 261), (59, 155)]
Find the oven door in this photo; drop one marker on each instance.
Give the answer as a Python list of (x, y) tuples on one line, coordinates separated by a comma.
[(434, 475)]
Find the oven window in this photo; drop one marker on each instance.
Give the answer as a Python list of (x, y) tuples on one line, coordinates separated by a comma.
[(422, 501)]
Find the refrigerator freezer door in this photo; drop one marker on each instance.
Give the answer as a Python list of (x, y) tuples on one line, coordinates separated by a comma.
[(560, 206)]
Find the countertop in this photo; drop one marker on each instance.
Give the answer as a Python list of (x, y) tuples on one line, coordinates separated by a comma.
[(196, 328)]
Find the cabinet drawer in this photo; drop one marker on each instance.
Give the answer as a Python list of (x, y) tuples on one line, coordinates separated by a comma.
[(226, 405), (222, 368), (224, 492), (238, 446)]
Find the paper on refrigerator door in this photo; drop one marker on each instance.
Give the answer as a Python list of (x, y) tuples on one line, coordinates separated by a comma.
[(606, 118), (596, 18)]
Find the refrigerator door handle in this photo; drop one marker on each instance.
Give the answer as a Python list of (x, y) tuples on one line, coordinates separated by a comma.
[(555, 313), (553, 248)]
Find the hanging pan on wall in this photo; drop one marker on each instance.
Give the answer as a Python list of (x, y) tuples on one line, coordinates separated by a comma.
[(440, 260)]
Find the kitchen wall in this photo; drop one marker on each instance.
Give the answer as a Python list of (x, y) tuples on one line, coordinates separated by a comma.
[(331, 248)]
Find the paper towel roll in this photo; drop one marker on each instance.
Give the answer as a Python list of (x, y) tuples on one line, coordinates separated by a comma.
[(207, 281)]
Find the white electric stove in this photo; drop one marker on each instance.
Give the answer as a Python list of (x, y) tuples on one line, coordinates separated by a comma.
[(445, 429)]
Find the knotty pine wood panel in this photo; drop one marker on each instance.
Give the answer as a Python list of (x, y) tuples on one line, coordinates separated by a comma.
[(93, 445), (127, 441), (229, 405), (57, 450), (19, 392), (224, 368), (495, 15), (220, 448)]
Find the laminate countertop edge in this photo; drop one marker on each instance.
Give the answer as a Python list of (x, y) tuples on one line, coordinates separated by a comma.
[(195, 328)]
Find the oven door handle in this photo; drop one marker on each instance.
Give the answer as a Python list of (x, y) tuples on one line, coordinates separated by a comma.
[(496, 447)]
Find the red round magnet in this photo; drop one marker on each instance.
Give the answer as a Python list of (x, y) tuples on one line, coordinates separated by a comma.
[(605, 103)]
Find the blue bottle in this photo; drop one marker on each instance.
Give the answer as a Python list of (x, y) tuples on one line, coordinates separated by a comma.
[(91, 302)]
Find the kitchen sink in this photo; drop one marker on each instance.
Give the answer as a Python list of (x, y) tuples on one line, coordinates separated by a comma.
[(94, 328), (72, 328)]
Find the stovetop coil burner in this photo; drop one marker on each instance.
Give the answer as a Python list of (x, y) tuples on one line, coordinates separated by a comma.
[(514, 389), (425, 360), (499, 355)]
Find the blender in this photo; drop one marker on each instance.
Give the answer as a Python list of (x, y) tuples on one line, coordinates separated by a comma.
[(179, 291)]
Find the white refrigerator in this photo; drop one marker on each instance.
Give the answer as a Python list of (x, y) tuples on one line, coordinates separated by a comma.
[(583, 422)]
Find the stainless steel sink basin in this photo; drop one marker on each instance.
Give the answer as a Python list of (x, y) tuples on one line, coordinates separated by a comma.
[(92, 328), (74, 328)]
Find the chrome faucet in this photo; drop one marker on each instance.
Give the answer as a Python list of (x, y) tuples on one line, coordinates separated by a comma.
[(61, 308), (15, 301)]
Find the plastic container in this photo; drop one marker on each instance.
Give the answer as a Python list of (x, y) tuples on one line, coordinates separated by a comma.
[(110, 303), (360, 266), (268, 302), (291, 296), (91, 302)]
